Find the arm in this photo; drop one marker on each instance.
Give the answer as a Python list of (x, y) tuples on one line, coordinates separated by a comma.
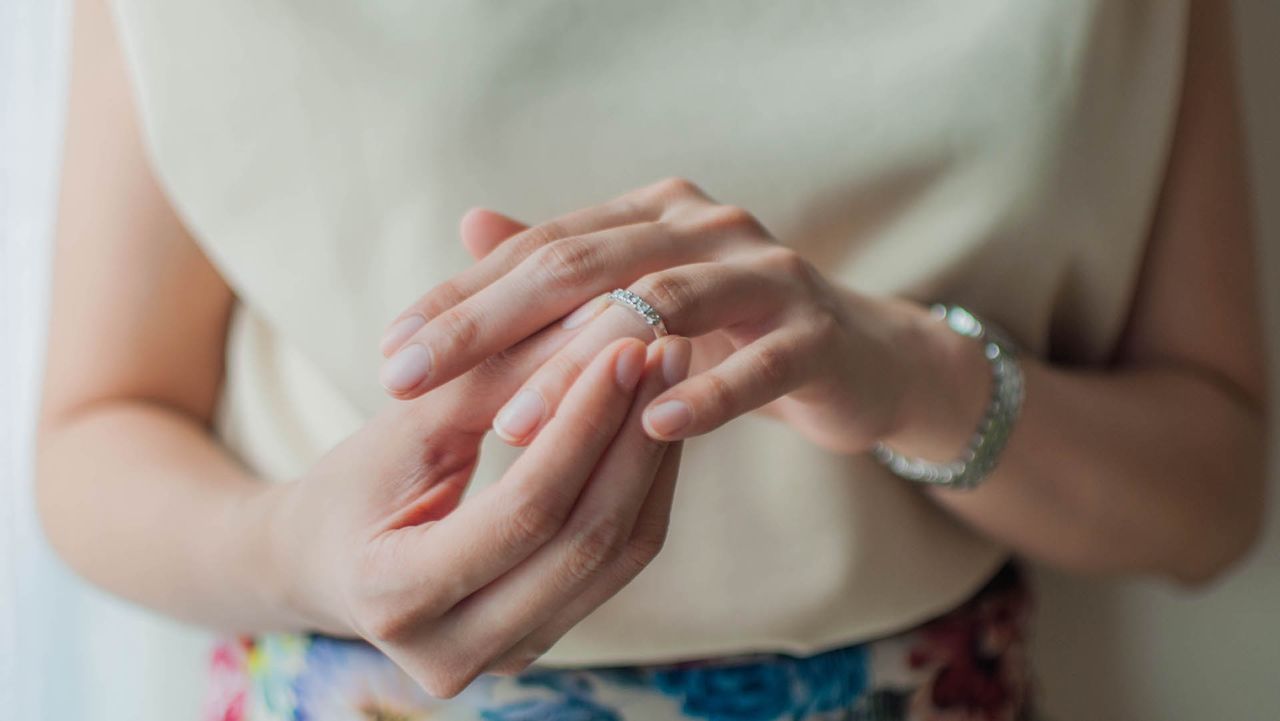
[(132, 490), (372, 540), (1153, 465), (1157, 463)]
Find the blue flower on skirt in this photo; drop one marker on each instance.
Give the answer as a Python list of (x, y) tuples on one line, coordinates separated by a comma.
[(572, 700), (346, 680), (568, 708), (835, 680), (747, 692)]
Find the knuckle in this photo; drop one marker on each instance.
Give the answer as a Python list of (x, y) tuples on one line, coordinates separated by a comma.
[(670, 293), (729, 218), (594, 547), (568, 263), (537, 237), (827, 327), (634, 203), (717, 393), (593, 431), (678, 187), (441, 298), (788, 262), (445, 681), (497, 366), (394, 613), (676, 196), (647, 540), (565, 366), (532, 521), (461, 328), (772, 365), (391, 624)]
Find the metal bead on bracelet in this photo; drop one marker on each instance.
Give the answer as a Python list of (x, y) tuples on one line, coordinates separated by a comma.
[(983, 451)]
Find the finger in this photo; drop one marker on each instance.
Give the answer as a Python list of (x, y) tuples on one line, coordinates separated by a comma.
[(619, 211), (442, 562), (692, 300), (469, 403), (482, 230), (758, 373), (596, 535), (671, 196), (536, 402), (647, 538), (544, 287), (648, 534), (467, 406)]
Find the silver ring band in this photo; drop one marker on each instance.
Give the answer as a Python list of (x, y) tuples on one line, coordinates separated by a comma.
[(636, 303)]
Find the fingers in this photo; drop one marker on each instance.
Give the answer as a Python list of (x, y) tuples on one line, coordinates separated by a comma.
[(648, 535), (537, 400), (647, 204), (470, 402), (598, 542), (445, 561), (623, 210), (758, 373), (692, 299), (509, 310), (733, 297), (482, 230), (544, 287)]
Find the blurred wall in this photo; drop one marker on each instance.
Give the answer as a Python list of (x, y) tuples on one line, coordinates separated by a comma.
[(1135, 652)]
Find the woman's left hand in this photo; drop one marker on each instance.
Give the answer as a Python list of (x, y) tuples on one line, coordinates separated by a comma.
[(845, 369)]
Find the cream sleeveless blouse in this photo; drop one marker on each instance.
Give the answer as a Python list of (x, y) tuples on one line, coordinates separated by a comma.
[(997, 153)]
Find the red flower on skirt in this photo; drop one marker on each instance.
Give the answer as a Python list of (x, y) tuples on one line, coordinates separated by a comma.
[(976, 658)]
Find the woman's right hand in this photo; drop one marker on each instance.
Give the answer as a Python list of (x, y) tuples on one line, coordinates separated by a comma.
[(375, 542)]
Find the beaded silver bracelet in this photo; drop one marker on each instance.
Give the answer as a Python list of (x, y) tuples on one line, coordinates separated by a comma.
[(983, 451)]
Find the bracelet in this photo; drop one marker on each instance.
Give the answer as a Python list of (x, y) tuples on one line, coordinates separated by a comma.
[(983, 451)]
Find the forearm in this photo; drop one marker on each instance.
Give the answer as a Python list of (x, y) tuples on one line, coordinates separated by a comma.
[(1145, 469), (140, 500)]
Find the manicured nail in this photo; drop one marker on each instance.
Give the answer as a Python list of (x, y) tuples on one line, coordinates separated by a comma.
[(667, 418), (407, 368), (520, 416), (400, 331), (675, 361), (584, 313), (630, 365)]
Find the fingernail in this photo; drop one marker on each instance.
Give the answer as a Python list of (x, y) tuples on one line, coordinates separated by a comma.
[(400, 331), (583, 314), (675, 361), (520, 416), (630, 365), (407, 368), (667, 418)]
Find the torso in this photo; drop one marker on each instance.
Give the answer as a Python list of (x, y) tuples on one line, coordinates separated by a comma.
[(1004, 155)]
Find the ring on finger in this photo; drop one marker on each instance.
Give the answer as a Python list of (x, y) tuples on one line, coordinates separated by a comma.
[(626, 298)]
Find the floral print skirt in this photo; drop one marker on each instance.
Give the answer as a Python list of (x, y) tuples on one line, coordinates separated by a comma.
[(967, 665)]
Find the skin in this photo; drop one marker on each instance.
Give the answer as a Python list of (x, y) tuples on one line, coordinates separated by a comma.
[(1150, 465)]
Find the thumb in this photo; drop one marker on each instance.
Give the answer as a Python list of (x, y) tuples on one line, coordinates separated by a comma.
[(482, 230)]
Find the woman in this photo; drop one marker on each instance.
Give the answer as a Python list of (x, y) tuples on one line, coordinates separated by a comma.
[(857, 473)]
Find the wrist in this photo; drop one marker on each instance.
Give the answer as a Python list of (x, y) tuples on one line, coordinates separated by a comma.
[(284, 562), (946, 394)]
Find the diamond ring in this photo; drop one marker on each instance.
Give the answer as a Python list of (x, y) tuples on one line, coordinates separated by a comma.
[(638, 304)]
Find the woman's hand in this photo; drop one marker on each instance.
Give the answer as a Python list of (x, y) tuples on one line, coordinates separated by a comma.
[(378, 545), (848, 369)]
